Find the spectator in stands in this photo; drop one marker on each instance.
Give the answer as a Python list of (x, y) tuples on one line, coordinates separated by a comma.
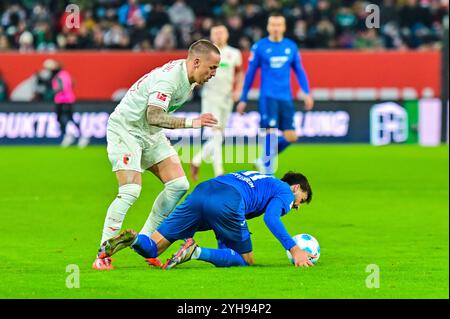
[(312, 23), (166, 40), (325, 35), (368, 40), (140, 38), (43, 37), (26, 42), (231, 8), (116, 37), (234, 25), (97, 37), (3, 89), (12, 16), (131, 12), (183, 17), (157, 18), (4, 43)]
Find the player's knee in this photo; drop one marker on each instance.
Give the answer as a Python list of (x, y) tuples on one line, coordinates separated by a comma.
[(178, 185), (129, 192)]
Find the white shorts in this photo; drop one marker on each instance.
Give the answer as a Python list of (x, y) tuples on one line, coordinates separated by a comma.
[(220, 107), (130, 152)]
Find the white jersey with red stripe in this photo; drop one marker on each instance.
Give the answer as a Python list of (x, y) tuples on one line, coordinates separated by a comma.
[(167, 87)]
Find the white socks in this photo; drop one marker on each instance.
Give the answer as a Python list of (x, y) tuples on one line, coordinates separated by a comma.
[(128, 194), (196, 253), (165, 203), (212, 148)]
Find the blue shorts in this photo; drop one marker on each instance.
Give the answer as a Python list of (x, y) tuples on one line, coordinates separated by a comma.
[(276, 113), (212, 205)]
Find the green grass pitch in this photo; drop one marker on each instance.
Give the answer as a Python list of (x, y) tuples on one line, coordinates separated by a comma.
[(386, 206)]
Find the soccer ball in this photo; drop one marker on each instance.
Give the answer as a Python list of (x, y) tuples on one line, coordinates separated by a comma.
[(309, 244)]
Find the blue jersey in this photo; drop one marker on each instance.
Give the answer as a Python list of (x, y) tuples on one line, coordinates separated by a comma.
[(264, 194), (275, 60)]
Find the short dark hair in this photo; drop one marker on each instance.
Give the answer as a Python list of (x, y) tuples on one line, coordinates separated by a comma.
[(202, 46), (293, 178), (276, 14)]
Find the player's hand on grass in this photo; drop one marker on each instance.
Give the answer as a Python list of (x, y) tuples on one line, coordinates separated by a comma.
[(240, 108), (309, 102), (301, 257), (206, 119)]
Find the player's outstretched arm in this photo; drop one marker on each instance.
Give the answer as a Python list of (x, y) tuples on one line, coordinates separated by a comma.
[(303, 80), (272, 218), (156, 116), (253, 65)]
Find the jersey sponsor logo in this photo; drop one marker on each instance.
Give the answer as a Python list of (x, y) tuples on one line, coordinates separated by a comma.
[(161, 96), (277, 62)]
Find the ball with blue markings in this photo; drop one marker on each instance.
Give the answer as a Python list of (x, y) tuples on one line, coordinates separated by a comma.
[(307, 243)]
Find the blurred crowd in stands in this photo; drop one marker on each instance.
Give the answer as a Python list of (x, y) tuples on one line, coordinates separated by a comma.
[(141, 25)]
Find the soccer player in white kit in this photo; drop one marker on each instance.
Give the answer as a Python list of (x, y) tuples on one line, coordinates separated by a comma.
[(218, 96), (136, 141)]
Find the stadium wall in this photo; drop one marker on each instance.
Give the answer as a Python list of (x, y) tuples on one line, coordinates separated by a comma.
[(333, 75)]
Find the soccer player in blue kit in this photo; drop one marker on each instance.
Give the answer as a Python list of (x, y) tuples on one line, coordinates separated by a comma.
[(276, 56), (224, 204)]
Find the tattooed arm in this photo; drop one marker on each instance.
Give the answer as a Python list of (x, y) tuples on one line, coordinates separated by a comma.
[(156, 116)]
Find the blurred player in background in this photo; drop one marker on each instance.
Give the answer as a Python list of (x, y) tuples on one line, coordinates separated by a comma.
[(224, 204), (64, 97), (218, 96), (136, 141), (276, 56)]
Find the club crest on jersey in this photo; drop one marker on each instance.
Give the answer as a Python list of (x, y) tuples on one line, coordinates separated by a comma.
[(161, 96), (126, 158)]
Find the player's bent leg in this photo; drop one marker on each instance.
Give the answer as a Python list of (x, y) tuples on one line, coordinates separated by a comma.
[(248, 257), (226, 257), (176, 185), (129, 192), (150, 247)]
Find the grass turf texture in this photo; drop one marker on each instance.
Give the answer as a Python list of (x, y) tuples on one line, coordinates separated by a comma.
[(372, 205)]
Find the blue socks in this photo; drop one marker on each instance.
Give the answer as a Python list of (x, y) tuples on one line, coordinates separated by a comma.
[(145, 246), (273, 145), (221, 257)]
